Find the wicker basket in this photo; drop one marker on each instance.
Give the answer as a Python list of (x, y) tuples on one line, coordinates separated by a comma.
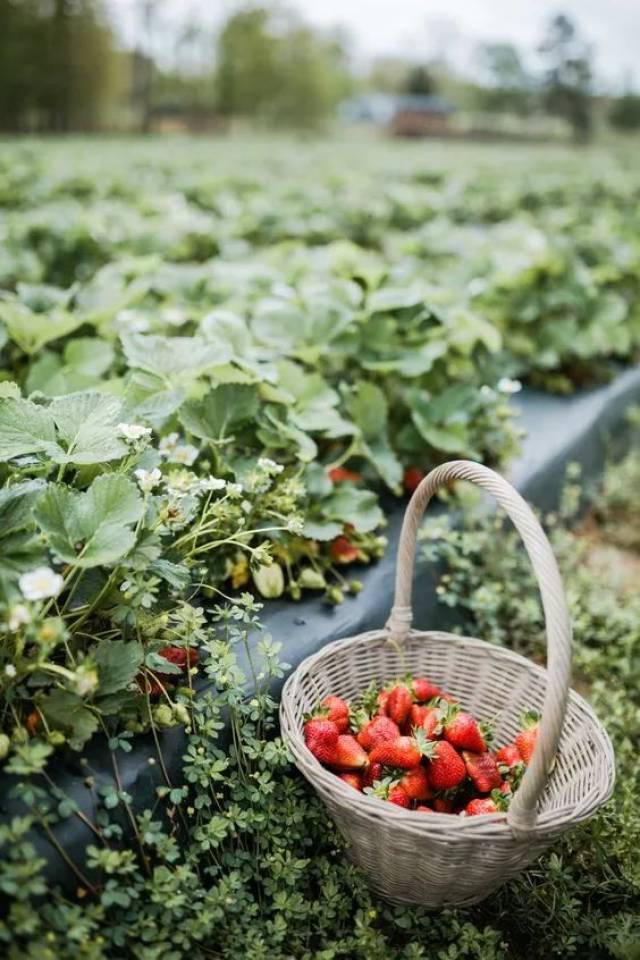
[(409, 857)]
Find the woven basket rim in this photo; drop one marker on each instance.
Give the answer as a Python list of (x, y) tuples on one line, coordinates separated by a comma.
[(373, 808)]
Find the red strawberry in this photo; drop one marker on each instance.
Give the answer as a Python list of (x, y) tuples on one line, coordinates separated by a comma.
[(182, 657), (399, 704), (526, 739), (376, 731), (341, 551), (348, 754), (424, 690), (424, 809), (418, 714), (508, 756), (336, 709), (442, 805), (372, 773), (483, 770), (415, 784), (412, 478), (480, 805), (321, 737), (398, 796), (353, 779), (390, 790), (404, 752), (505, 787), (446, 767), (383, 699), (342, 475), (432, 723), (462, 731)]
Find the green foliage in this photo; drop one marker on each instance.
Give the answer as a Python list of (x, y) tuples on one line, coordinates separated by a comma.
[(240, 859)]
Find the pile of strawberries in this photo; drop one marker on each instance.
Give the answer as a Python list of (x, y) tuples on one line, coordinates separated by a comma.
[(412, 744)]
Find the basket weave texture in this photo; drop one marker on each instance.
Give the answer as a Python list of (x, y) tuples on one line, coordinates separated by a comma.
[(437, 860)]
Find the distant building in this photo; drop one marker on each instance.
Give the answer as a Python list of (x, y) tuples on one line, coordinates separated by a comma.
[(410, 115), (417, 115)]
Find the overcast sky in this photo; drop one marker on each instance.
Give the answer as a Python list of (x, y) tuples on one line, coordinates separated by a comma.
[(418, 28)]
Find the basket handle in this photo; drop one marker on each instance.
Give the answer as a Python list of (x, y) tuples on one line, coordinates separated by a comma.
[(522, 812)]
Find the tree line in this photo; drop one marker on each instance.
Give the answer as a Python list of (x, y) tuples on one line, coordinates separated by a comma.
[(62, 68)]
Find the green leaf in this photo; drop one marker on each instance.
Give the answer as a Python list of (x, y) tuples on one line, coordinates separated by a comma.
[(118, 663), (16, 505), (84, 361), (359, 507), (66, 711), (322, 530), (31, 331), (223, 408), (174, 359), (93, 528), (25, 428), (87, 423), (369, 410)]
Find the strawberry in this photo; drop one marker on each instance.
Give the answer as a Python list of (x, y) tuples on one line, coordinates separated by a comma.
[(424, 690), (321, 737), (432, 723), (182, 657), (446, 767), (348, 754), (390, 790), (483, 771), (353, 779), (383, 700), (412, 478), (508, 756), (376, 731), (342, 475), (343, 552), (398, 796), (399, 704), (505, 787), (423, 808), (372, 774), (442, 805), (526, 739), (480, 805), (462, 731), (336, 709), (415, 784), (404, 752), (418, 714)]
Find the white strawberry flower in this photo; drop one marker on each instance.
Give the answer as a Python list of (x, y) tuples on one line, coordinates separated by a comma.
[(133, 431), (18, 616), (10, 671), (147, 479), (505, 385), (270, 466), (211, 484), (41, 583), (184, 454), (168, 444)]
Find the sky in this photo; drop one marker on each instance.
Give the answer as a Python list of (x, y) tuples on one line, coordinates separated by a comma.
[(417, 29)]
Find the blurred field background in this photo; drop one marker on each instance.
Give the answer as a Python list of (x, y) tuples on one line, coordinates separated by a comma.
[(447, 71)]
